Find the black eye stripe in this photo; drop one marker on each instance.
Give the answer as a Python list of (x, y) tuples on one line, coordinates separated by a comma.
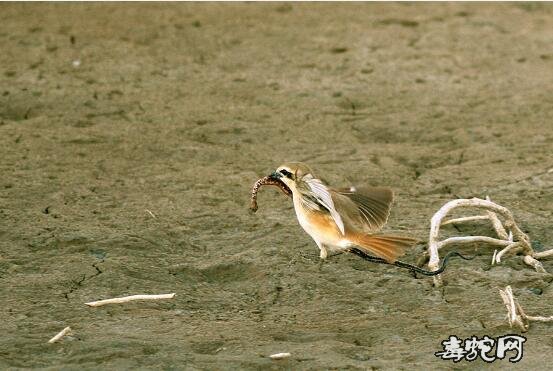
[(286, 173)]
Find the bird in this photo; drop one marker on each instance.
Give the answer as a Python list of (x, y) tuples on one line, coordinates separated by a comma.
[(341, 219)]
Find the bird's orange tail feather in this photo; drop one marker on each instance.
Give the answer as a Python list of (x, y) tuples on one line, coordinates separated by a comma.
[(386, 247)]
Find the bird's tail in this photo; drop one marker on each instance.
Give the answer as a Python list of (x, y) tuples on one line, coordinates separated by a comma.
[(386, 247)]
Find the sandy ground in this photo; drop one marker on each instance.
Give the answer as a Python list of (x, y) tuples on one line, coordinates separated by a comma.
[(108, 111)]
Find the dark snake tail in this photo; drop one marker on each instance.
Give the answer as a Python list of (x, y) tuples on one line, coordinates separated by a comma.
[(412, 268)]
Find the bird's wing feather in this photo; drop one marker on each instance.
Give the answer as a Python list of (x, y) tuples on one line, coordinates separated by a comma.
[(367, 207), (322, 193)]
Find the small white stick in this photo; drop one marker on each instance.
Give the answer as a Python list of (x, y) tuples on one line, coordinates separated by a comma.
[(543, 254), (497, 225), (529, 260), (516, 314), (499, 229), (511, 298), (540, 319), (473, 239), (513, 317), (59, 335), (466, 219), (129, 298), (151, 213), (506, 301), (493, 257), (510, 246), (279, 355)]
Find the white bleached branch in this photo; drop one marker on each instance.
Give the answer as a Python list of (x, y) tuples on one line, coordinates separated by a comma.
[(543, 254), (515, 313), (510, 246), (466, 219), (60, 334), (473, 239), (129, 298), (280, 355), (531, 261), (509, 236)]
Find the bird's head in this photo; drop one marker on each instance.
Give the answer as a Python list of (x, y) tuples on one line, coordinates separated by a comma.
[(292, 174)]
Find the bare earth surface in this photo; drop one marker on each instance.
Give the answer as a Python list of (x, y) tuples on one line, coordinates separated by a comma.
[(110, 112)]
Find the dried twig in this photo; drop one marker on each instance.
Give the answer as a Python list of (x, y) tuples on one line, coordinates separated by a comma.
[(511, 246), (543, 254), (60, 334), (129, 298), (279, 355), (515, 313), (531, 261), (510, 237), (499, 229), (466, 219)]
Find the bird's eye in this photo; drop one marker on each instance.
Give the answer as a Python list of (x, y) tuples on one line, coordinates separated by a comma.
[(286, 173)]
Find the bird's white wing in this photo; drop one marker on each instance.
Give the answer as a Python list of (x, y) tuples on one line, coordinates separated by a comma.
[(321, 192)]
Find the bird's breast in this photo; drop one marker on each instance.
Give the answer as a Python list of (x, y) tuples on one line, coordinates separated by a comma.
[(318, 224)]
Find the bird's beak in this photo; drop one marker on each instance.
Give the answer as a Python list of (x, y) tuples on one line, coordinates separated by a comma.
[(275, 175), (275, 179)]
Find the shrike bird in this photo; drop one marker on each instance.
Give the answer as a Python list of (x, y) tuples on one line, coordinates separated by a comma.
[(341, 219)]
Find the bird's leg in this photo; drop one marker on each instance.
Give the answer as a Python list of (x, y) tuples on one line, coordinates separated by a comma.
[(323, 254)]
